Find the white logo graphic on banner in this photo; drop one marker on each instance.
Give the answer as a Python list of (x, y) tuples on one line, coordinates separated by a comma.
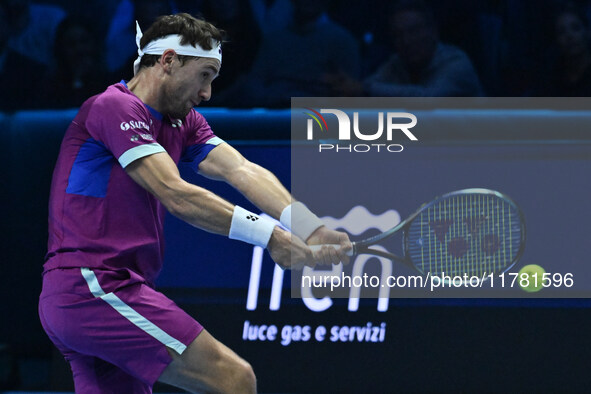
[(356, 221)]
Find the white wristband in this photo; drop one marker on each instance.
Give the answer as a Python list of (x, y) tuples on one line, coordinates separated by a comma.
[(300, 220), (249, 227)]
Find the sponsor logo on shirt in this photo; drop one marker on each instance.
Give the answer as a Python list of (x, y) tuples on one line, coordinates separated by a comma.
[(136, 137), (134, 124)]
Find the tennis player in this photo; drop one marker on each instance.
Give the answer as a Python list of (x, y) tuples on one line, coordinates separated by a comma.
[(115, 177)]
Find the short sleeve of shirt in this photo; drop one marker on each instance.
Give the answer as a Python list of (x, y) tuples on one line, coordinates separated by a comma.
[(122, 123), (200, 140)]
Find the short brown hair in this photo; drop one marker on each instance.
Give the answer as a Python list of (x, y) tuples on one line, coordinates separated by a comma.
[(194, 31)]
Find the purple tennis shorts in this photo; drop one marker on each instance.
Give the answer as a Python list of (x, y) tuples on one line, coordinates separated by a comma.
[(113, 328)]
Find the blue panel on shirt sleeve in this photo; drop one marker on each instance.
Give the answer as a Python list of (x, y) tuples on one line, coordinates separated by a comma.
[(91, 170), (195, 154)]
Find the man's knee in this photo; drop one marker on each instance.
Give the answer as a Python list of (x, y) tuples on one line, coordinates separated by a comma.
[(230, 376), (235, 373), (246, 379), (208, 365)]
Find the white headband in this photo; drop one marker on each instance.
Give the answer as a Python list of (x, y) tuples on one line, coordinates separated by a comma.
[(173, 41)]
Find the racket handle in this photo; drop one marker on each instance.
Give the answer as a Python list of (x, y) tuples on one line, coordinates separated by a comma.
[(316, 248)]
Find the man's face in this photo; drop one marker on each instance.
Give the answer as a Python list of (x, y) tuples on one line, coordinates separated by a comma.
[(188, 85), (571, 34), (415, 39)]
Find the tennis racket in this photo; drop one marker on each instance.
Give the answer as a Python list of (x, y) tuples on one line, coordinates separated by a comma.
[(476, 232)]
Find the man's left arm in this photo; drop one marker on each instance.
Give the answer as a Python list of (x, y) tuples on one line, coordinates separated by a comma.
[(262, 188)]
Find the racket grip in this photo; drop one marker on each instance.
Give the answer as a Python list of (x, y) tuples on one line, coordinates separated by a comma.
[(316, 248)]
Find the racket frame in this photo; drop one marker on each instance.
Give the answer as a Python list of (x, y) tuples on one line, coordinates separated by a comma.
[(363, 246)]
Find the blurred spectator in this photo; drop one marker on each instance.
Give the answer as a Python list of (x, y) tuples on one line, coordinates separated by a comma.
[(242, 37), (33, 28), (20, 76), (79, 71), (271, 15), (365, 20), (294, 60), (98, 12), (568, 73), (120, 46), (421, 64)]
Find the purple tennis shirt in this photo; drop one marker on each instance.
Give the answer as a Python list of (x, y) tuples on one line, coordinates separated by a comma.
[(99, 217)]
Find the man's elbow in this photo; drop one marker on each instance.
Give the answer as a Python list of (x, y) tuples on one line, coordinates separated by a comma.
[(175, 198)]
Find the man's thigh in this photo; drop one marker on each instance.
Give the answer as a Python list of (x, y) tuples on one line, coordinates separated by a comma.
[(93, 375), (131, 328)]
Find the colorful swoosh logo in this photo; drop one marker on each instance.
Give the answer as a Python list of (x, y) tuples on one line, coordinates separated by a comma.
[(315, 116)]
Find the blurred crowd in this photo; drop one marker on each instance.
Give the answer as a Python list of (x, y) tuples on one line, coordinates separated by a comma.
[(55, 54)]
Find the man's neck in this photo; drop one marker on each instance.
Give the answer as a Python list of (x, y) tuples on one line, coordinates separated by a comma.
[(146, 87)]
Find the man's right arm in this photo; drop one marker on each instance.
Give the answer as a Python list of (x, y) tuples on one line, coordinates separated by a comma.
[(201, 208)]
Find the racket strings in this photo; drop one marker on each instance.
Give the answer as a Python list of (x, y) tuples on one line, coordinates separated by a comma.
[(474, 234)]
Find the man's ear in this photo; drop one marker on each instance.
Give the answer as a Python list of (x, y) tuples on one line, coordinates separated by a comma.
[(167, 59)]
